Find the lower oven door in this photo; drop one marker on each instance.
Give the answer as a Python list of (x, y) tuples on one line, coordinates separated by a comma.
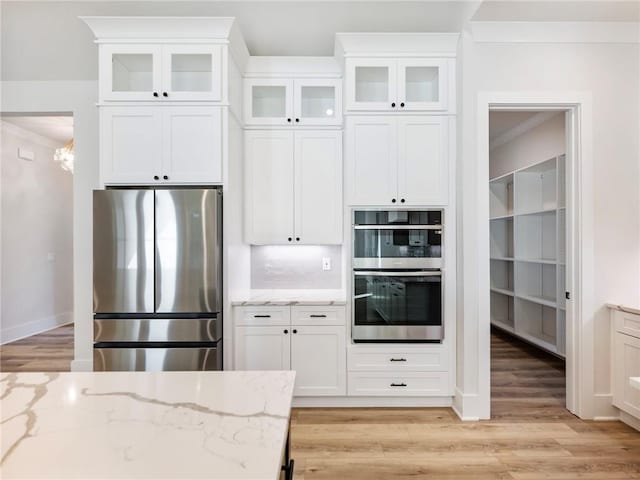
[(150, 358), (397, 306)]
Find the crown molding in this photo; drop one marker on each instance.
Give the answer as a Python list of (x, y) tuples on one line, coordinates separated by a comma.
[(556, 32)]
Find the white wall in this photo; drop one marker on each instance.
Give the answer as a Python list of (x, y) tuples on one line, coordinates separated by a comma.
[(610, 74), (37, 237), (542, 142)]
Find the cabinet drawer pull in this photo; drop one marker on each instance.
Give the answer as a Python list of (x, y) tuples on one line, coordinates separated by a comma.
[(398, 384), (262, 316), (318, 316), (397, 359)]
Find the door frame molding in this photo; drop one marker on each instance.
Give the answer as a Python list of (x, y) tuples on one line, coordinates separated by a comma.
[(580, 229)]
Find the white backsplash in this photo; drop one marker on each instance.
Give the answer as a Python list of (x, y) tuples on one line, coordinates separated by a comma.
[(295, 267)]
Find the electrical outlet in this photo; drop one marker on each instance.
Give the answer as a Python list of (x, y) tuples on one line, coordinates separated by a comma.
[(326, 263)]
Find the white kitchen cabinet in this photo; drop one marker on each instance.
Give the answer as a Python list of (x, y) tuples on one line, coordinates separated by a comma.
[(390, 84), (626, 361), (310, 340), (289, 102), (160, 72), (397, 160), (160, 144), (294, 188)]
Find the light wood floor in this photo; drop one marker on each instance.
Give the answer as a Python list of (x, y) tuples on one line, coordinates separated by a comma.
[(530, 437)]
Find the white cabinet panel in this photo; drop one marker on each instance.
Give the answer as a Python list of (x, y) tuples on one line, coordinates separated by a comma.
[(422, 160), (318, 356), (317, 101), (193, 144), (318, 187), (422, 84), (262, 348), (130, 72), (270, 190), (262, 316), (371, 160), (131, 145), (317, 315), (192, 72), (268, 101), (626, 365), (399, 384), (371, 83), (431, 359)]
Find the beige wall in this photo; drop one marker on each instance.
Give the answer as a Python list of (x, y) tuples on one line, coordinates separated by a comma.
[(37, 237)]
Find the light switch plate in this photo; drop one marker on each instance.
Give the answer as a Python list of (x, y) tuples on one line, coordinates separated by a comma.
[(25, 154)]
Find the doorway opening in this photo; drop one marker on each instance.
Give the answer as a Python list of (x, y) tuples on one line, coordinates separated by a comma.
[(528, 205), (36, 246)]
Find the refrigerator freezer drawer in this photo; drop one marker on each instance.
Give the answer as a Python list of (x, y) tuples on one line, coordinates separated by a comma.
[(156, 359), (157, 330)]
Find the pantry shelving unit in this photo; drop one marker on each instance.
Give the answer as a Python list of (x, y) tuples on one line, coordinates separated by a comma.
[(527, 226)]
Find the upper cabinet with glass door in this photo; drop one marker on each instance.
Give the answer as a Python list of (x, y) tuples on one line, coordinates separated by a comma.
[(397, 84), (187, 72)]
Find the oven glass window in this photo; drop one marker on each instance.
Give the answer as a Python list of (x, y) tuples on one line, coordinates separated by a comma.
[(374, 243), (397, 300)]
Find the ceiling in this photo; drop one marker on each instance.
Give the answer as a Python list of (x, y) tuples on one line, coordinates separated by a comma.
[(58, 129), (501, 122)]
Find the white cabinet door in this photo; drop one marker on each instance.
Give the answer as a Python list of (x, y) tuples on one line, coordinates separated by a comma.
[(318, 355), (371, 84), (626, 365), (317, 101), (131, 145), (371, 151), (422, 84), (192, 139), (423, 160), (262, 348), (130, 72), (269, 187), (192, 72), (318, 187), (268, 101)]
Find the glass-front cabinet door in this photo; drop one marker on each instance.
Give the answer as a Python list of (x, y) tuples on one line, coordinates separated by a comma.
[(130, 72), (371, 83), (422, 84), (268, 101), (318, 102), (191, 72)]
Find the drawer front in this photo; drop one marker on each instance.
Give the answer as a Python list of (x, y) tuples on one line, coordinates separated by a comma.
[(317, 315), (399, 385), (627, 323), (156, 359), (401, 361), (262, 316)]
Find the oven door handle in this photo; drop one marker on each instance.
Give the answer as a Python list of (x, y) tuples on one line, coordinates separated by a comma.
[(377, 273), (397, 227)]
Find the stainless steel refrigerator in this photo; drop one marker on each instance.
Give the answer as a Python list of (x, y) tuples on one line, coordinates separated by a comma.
[(157, 279)]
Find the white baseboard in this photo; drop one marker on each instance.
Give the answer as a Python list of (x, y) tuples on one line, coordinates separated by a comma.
[(34, 327), (82, 365), (372, 402), (603, 408), (633, 422), (464, 404)]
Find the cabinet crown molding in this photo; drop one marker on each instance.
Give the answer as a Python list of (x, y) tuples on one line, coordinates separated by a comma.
[(293, 67), (396, 44)]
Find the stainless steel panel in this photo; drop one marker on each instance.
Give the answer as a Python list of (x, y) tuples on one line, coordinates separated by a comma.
[(123, 262), (394, 262), (188, 249), (389, 273), (156, 359), (157, 330), (397, 227), (396, 333)]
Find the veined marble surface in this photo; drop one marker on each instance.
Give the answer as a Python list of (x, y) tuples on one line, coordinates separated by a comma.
[(290, 297), (169, 425)]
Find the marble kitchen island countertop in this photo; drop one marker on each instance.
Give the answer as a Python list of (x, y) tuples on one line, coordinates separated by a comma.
[(290, 297), (169, 425)]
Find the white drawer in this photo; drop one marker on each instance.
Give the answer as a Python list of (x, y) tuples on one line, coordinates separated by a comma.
[(627, 323), (397, 361), (398, 385), (317, 315), (262, 316)]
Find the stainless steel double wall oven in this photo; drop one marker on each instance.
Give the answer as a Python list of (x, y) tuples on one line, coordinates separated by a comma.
[(397, 276)]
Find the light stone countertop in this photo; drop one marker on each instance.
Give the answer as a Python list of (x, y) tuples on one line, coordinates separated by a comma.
[(290, 297), (635, 382), (168, 425), (623, 308)]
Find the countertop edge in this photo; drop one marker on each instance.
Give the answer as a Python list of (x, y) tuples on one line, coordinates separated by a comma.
[(622, 308)]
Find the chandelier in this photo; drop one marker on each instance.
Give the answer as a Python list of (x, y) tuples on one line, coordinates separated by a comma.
[(64, 155)]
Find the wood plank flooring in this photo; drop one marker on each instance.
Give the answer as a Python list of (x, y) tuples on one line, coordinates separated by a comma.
[(531, 436)]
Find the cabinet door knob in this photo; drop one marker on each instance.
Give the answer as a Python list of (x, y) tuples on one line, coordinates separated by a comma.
[(165, 94), (297, 120), (289, 120), (297, 239), (393, 200), (155, 94), (393, 105), (286, 331), (402, 200), (290, 239), (402, 104), (156, 177), (295, 331), (166, 177)]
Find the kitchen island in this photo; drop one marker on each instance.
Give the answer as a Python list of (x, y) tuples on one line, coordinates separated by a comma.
[(117, 425)]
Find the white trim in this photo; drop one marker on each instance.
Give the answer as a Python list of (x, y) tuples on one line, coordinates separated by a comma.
[(580, 311), (30, 136), (387, 44), (82, 365), (603, 407), (555, 32), (521, 128), (464, 403), (633, 422), (33, 327), (372, 402)]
